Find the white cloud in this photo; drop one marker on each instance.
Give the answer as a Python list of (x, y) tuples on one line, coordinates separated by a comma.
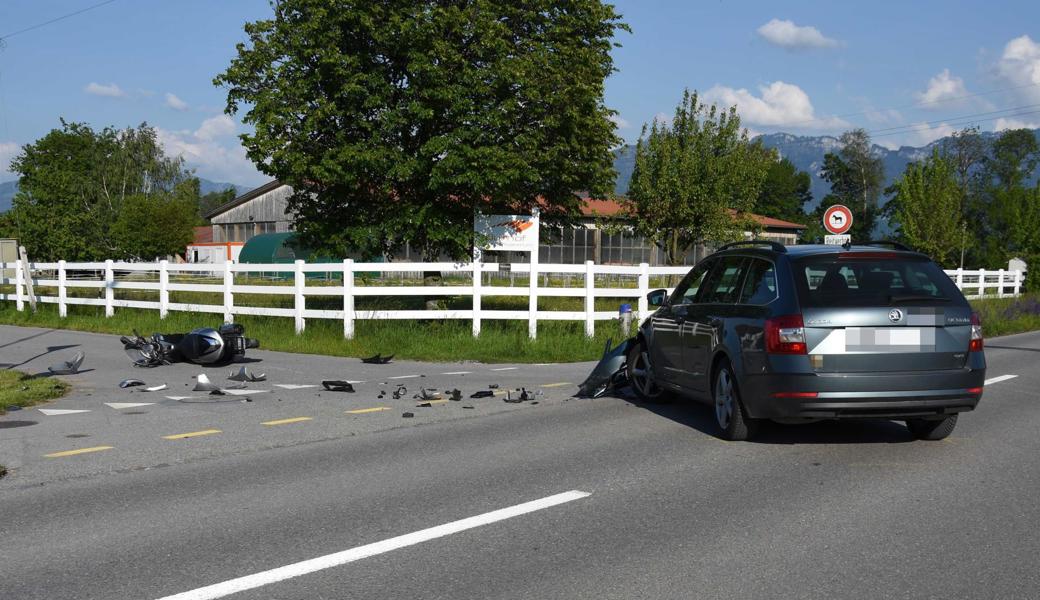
[(780, 105), (8, 150), (214, 151), (792, 37), (1020, 65), (941, 90), (921, 134), (885, 116), (1011, 123), (619, 121), (175, 103), (111, 90)]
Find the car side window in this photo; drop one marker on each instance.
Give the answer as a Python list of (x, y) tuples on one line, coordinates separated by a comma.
[(721, 287), (686, 291), (760, 283)]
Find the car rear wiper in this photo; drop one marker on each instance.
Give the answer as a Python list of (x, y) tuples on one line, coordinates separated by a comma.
[(916, 298)]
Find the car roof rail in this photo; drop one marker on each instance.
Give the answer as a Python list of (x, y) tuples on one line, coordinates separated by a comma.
[(894, 245), (776, 246)]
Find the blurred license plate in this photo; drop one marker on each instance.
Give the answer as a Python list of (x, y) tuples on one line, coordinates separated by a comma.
[(866, 339)]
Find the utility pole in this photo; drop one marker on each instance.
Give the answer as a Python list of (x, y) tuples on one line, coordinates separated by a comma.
[(964, 227)]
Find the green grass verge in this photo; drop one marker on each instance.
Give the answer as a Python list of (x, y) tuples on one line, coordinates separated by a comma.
[(20, 389), (1004, 316), (500, 341)]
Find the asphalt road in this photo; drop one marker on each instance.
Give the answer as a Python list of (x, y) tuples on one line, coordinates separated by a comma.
[(666, 510)]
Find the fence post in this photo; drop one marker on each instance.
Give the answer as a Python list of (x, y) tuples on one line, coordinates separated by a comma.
[(982, 283), (960, 278), (348, 298), (1018, 282), (229, 297), (164, 288), (590, 298), (110, 279), (532, 305), (300, 300), (1000, 283), (644, 289), (63, 307), (477, 282), (19, 285)]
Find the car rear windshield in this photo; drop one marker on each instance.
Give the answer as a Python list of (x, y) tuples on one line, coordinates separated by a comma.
[(871, 279)]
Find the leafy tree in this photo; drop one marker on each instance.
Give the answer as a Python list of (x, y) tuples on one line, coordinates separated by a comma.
[(74, 183), (785, 192), (1013, 159), (966, 150), (926, 207), (856, 176), (1003, 226), (397, 121), (158, 224), (214, 199), (696, 178)]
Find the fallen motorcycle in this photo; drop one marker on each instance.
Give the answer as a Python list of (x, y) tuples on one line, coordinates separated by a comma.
[(203, 346)]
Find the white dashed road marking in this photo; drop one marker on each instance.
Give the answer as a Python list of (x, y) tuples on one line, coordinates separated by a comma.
[(457, 373), (54, 412), (249, 582), (506, 369), (403, 377), (118, 405), (295, 386), (993, 380)]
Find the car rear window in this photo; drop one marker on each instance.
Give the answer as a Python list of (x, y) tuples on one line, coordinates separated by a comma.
[(870, 279)]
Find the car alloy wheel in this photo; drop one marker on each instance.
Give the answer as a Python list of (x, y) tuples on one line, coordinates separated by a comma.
[(725, 402)]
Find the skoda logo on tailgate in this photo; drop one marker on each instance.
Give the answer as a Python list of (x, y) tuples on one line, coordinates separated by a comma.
[(895, 315)]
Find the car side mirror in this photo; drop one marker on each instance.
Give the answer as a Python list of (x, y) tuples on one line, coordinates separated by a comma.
[(657, 297)]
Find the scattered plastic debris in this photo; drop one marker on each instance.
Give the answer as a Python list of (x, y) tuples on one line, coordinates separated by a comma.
[(455, 395), (203, 384), (424, 405), (335, 385), (131, 383), (67, 367), (493, 386), (425, 394), (524, 395), (408, 415), (244, 374), (399, 392), (467, 406), (378, 359), (482, 394)]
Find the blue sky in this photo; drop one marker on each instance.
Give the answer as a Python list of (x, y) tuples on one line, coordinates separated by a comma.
[(906, 71)]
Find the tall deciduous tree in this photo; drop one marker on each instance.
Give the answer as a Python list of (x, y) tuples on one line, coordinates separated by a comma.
[(856, 176), (75, 182), (926, 207), (395, 121), (696, 178), (785, 192)]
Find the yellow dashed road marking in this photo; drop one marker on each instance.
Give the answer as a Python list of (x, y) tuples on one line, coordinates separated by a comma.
[(287, 421), (75, 452), (362, 411), (181, 436), (552, 385)]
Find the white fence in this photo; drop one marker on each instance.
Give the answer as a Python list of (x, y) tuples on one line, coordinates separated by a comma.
[(155, 277)]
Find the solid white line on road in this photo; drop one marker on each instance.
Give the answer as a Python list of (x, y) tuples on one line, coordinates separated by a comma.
[(53, 412), (403, 377), (249, 582), (506, 369), (993, 380), (457, 373)]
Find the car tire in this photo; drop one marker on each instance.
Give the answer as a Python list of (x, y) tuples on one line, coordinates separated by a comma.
[(730, 415), (931, 429), (640, 372)]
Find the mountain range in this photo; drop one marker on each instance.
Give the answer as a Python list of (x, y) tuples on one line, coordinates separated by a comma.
[(806, 152), (9, 188)]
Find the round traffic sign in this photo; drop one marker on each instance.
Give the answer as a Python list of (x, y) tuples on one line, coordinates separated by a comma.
[(837, 219)]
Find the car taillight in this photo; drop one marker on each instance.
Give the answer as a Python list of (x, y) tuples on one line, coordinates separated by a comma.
[(785, 335), (975, 345)]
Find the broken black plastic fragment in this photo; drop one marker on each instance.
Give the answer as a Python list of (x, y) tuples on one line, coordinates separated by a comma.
[(609, 373), (244, 374), (378, 359), (335, 385), (131, 383), (67, 367), (455, 395), (482, 394), (408, 415)]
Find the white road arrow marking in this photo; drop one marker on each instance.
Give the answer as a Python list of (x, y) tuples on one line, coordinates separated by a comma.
[(128, 404), (53, 412)]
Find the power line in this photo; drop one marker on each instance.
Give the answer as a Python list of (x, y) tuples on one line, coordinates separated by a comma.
[(55, 20), (947, 120), (966, 121)]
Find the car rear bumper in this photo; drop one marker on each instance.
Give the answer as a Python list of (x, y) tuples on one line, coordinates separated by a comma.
[(863, 396)]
